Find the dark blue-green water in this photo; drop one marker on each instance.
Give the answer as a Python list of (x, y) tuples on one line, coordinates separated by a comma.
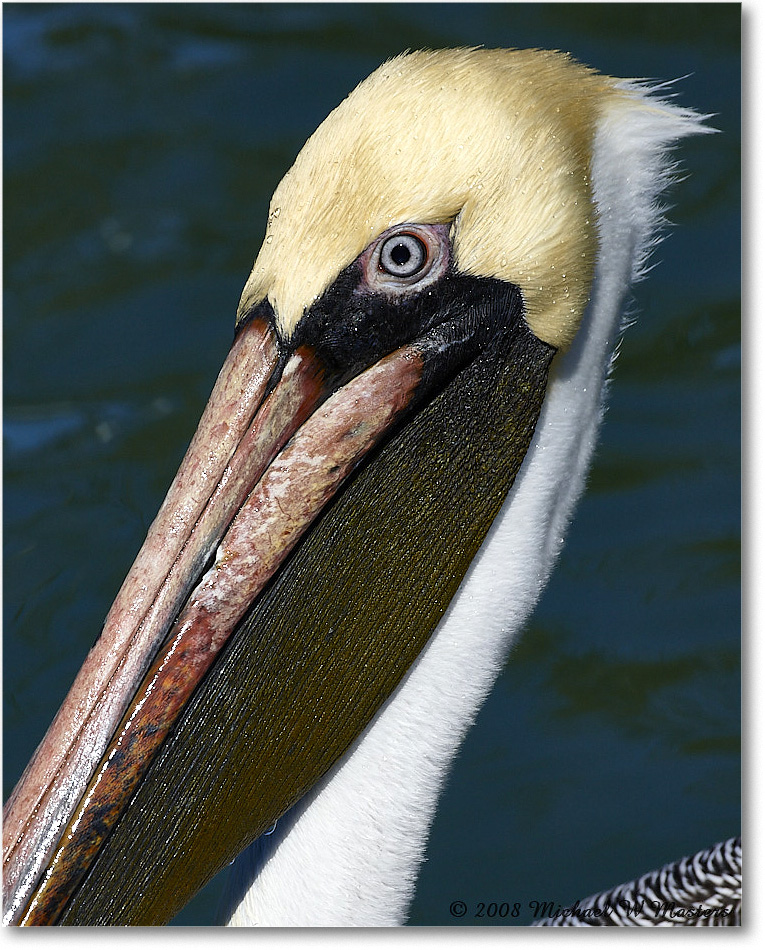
[(141, 146)]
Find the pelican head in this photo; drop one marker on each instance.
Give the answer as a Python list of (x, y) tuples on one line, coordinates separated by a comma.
[(369, 508)]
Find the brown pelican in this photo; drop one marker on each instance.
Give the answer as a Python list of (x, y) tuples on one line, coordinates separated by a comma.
[(368, 511)]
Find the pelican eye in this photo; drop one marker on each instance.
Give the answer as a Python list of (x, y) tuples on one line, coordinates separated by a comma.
[(405, 259), (403, 255)]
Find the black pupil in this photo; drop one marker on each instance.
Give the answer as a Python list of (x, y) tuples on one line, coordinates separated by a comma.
[(401, 255)]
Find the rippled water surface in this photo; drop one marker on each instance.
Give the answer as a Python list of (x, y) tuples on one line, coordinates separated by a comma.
[(142, 143)]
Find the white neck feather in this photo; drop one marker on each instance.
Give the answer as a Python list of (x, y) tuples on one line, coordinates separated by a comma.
[(349, 853)]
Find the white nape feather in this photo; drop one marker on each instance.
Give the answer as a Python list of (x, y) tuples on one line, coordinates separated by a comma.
[(350, 851)]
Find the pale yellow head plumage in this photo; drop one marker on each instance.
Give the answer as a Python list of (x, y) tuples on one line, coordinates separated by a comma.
[(498, 141)]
